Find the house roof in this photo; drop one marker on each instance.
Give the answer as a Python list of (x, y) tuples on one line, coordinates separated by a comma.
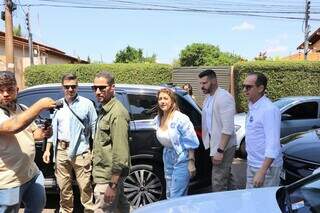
[(312, 39), (20, 41)]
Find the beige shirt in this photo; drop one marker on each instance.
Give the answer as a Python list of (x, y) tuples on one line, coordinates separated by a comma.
[(222, 121), (17, 154)]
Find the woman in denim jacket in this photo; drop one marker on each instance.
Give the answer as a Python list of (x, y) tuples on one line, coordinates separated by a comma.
[(176, 133)]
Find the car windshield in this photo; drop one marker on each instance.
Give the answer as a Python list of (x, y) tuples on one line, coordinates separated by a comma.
[(306, 198), (280, 103)]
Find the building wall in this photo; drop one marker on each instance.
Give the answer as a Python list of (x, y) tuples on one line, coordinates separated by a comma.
[(316, 46), (52, 59)]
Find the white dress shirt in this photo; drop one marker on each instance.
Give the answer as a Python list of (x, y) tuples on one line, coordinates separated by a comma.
[(263, 133), (207, 111)]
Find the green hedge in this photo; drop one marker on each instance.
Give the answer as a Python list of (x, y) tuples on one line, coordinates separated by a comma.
[(285, 78), (141, 73)]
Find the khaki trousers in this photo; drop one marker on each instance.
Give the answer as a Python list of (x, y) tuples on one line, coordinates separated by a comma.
[(222, 179), (120, 204), (272, 177), (81, 165)]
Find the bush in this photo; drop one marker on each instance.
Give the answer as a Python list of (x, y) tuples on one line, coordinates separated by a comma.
[(141, 73), (285, 78)]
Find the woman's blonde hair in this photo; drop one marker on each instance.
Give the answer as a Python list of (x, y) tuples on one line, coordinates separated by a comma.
[(172, 96)]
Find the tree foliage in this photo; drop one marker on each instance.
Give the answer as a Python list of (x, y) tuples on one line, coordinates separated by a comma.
[(133, 55), (285, 78), (201, 54), (17, 30)]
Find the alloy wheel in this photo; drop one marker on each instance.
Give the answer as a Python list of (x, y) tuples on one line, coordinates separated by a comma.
[(142, 186)]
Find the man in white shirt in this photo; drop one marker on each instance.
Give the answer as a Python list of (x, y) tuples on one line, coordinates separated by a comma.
[(218, 131), (264, 160)]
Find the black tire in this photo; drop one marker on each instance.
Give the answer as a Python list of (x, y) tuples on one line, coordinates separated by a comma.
[(145, 184), (242, 149)]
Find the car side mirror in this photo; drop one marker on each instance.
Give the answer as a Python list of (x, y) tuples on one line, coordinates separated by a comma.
[(286, 117)]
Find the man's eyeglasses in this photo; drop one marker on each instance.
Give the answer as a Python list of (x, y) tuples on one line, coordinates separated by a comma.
[(247, 86), (70, 86), (101, 88)]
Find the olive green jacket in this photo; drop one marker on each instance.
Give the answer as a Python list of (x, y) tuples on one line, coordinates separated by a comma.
[(111, 153)]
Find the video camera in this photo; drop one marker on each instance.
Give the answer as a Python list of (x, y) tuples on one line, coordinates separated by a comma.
[(47, 121)]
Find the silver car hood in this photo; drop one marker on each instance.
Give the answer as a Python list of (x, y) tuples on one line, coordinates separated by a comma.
[(262, 200)]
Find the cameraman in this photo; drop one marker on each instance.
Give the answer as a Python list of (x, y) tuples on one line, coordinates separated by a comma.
[(20, 178), (73, 125)]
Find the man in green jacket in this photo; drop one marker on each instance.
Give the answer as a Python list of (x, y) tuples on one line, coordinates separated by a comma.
[(111, 156)]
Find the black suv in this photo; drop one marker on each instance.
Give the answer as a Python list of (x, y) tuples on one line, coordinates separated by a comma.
[(145, 183)]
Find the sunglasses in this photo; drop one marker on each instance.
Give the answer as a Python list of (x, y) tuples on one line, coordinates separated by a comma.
[(247, 86), (70, 86), (101, 88)]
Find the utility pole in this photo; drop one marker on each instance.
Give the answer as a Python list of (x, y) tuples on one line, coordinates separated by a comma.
[(9, 7), (306, 30), (30, 37)]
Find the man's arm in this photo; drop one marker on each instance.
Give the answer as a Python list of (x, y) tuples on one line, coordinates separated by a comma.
[(120, 148), (92, 119), (41, 133), (46, 154), (258, 179), (271, 126), (19, 122), (120, 154), (226, 112)]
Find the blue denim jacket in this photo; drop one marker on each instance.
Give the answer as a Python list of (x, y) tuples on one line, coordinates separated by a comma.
[(181, 132), (79, 134)]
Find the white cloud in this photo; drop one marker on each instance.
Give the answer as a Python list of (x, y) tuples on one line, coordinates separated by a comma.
[(276, 44), (244, 26), (276, 49)]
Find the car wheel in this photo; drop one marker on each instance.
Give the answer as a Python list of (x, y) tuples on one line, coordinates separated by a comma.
[(242, 149), (144, 185)]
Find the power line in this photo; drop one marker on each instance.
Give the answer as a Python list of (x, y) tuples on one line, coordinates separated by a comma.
[(189, 10)]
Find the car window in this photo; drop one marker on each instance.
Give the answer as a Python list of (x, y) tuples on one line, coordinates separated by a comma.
[(280, 103), (308, 110), (142, 106), (189, 109), (30, 97), (306, 198)]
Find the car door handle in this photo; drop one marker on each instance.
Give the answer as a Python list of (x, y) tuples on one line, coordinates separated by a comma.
[(156, 147)]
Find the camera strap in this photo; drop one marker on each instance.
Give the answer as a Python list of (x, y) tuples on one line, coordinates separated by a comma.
[(74, 113), (6, 111)]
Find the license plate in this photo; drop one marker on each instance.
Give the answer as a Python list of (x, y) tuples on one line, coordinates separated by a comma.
[(283, 174)]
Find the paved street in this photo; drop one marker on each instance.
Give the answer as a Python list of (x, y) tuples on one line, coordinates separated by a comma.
[(239, 167)]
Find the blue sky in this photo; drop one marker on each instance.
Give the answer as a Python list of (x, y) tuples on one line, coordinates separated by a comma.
[(101, 33)]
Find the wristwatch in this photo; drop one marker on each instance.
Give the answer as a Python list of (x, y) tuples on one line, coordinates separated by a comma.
[(113, 185), (220, 150)]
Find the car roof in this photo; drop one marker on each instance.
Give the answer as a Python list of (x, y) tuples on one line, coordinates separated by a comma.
[(118, 86), (299, 98)]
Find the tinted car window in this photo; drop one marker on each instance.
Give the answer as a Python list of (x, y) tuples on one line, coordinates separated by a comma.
[(186, 108), (143, 106), (29, 98), (307, 110)]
